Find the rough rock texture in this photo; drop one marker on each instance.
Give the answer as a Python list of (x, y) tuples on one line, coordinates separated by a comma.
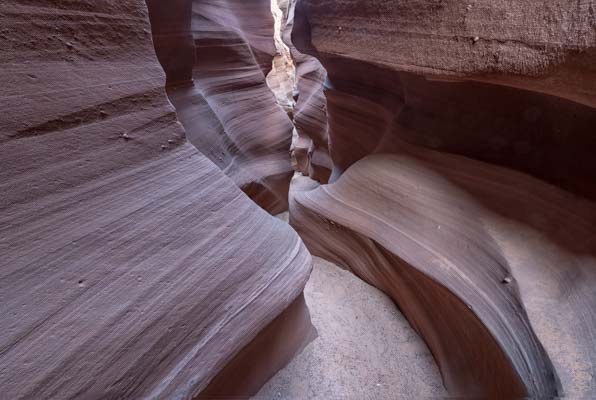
[(505, 41), (131, 266), (404, 69), (228, 111), (494, 267), (365, 348)]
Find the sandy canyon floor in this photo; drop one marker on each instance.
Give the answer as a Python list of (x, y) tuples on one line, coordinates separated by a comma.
[(365, 348)]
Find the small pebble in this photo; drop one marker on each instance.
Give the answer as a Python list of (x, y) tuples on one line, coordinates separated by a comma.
[(170, 141), (476, 39), (69, 45), (125, 136), (507, 279), (163, 147), (103, 114)]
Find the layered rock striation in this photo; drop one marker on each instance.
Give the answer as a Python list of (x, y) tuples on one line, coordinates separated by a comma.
[(463, 180), (131, 267), (472, 79), (485, 262), (446, 153)]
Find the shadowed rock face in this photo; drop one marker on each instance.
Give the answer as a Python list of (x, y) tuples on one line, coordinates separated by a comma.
[(216, 55), (493, 266), (486, 273), (311, 149), (131, 266), (392, 77)]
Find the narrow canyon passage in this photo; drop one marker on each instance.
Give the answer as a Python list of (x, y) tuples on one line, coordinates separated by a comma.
[(365, 348), (287, 199)]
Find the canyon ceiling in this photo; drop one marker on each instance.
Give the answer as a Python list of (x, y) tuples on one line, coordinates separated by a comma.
[(442, 151)]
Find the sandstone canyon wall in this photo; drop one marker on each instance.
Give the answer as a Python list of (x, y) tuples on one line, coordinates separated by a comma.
[(310, 149), (217, 55), (131, 266), (462, 141), (444, 150)]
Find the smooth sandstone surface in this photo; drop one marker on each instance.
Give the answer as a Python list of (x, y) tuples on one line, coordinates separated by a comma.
[(131, 267), (494, 269), (493, 266), (457, 137)]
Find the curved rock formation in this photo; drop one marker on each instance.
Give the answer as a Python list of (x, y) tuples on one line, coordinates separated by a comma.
[(365, 348), (225, 50), (485, 262), (461, 243), (457, 137), (131, 267)]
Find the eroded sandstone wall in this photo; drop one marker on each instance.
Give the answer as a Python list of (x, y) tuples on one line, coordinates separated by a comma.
[(461, 140), (225, 50), (310, 148), (131, 266)]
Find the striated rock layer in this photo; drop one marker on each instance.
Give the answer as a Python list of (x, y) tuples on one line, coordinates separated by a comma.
[(131, 267), (494, 267), (495, 270), (216, 55), (476, 80)]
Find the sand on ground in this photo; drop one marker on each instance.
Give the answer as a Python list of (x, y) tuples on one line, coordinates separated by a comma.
[(365, 347)]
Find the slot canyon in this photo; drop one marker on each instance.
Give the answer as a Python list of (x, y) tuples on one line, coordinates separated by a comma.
[(297, 199)]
